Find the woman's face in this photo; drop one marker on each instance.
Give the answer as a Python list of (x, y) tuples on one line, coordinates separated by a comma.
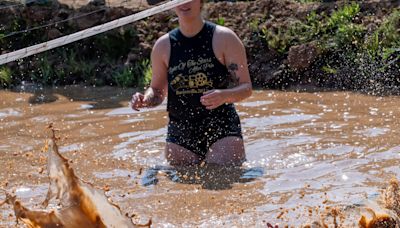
[(190, 10)]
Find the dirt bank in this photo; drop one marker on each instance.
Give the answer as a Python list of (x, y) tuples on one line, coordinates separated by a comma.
[(288, 43)]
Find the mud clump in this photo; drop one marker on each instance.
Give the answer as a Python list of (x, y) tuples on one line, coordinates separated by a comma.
[(82, 205), (389, 217), (391, 196), (383, 221)]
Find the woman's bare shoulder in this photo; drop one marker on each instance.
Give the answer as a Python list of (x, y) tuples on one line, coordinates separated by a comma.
[(226, 35), (162, 44)]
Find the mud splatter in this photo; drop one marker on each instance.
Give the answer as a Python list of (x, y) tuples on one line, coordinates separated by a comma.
[(378, 221), (391, 196), (380, 213), (82, 205), (387, 213)]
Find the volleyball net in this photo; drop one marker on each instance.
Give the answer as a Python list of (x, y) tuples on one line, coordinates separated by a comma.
[(67, 39)]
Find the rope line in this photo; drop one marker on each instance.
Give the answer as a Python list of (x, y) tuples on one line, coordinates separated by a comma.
[(51, 24), (18, 4), (10, 6), (38, 48), (63, 21)]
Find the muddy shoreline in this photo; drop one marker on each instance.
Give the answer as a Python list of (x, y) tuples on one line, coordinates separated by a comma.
[(280, 54)]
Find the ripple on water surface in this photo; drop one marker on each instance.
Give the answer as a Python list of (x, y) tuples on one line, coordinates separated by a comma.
[(316, 150)]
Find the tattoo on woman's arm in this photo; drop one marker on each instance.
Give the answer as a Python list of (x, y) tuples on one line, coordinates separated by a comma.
[(234, 79)]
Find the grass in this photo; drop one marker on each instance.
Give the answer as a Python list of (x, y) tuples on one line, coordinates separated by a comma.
[(115, 44), (5, 76), (360, 59), (307, 1), (45, 70), (2, 40), (254, 23), (343, 16), (220, 21), (334, 31), (131, 76), (124, 77), (100, 60), (148, 74), (386, 39), (68, 66), (329, 70)]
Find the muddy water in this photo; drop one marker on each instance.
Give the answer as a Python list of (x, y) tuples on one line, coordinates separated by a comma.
[(306, 153)]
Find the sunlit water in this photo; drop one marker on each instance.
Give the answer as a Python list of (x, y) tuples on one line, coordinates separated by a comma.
[(306, 153)]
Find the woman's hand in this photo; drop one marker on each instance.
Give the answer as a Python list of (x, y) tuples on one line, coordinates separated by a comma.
[(137, 101), (213, 98)]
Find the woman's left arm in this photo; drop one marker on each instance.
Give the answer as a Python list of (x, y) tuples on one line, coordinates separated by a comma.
[(234, 55)]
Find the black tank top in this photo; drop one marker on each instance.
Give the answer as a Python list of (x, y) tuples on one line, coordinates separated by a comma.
[(193, 69)]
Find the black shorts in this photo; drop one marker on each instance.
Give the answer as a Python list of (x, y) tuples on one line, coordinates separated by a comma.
[(197, 135)]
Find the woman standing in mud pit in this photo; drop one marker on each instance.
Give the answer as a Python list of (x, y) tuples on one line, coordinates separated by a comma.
[(203, 69)]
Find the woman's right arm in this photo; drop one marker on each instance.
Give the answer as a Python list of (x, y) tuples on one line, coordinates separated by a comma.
[(157, 91)]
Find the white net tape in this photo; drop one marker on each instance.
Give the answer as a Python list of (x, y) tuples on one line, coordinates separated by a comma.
[(25, 52)]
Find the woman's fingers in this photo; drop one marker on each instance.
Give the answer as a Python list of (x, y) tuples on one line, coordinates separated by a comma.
[(208, 97), (207, 101), (134, 105), (210, 103), (211, 107), (137, 101)]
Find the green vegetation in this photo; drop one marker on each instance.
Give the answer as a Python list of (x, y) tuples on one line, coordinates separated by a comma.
[(148, 74), (138, 75), (361, 58), (2, 39), (386, 39), (307, 1), (98, 60), (329, 70), (45, 72), (337, 31), (124, 77), (220, 21), (334, 31), (78, 63), (115, 44), (352, 46), (5, 76), (71, 68), (254, 23)]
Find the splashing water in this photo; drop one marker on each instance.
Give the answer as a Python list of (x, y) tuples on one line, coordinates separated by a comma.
[(314, 158), (82, 205)]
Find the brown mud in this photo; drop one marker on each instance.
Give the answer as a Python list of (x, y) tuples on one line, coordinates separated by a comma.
[(312, 158), (81, 204)]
